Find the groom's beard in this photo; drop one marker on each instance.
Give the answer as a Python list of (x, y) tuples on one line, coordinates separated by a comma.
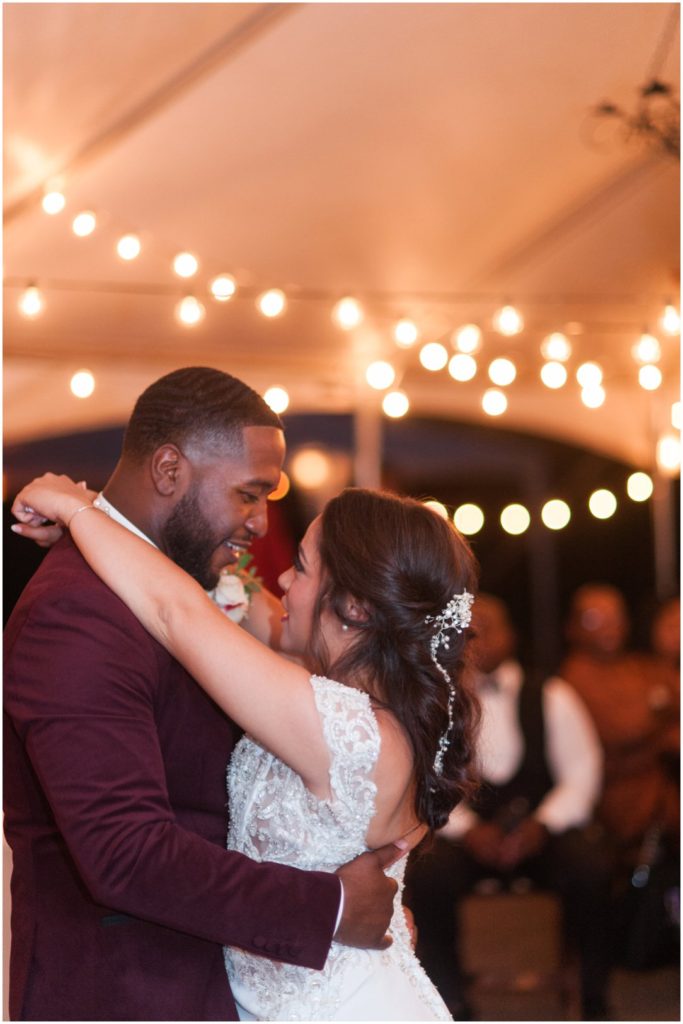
[(188, 539)]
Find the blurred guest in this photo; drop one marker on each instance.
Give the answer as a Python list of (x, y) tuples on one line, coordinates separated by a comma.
[(633, 700), (540, 763)]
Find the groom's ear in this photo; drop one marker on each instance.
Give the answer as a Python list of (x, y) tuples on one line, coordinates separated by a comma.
[(169, 471)]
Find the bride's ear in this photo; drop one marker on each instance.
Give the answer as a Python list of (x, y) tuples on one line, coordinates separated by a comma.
[(356, 610), (169, 470)]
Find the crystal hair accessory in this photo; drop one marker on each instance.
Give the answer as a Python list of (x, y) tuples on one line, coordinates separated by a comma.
[(456, 615)]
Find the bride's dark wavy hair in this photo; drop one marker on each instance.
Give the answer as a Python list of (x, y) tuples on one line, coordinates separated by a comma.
[(400, 562)]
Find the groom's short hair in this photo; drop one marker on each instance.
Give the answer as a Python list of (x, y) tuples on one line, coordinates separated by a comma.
[(196, 404)]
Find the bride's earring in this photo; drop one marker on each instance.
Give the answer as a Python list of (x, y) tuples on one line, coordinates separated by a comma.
[(345, 627)]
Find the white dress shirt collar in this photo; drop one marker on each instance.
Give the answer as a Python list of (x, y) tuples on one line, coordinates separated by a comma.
[(106, 506)]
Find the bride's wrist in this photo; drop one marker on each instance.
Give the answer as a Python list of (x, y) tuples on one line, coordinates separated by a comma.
[(72, 507)]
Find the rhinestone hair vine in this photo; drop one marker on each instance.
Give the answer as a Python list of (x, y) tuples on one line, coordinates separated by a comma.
[(456, 615)]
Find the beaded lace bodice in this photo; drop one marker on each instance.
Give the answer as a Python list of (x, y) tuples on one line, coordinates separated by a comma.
[(274, 817)]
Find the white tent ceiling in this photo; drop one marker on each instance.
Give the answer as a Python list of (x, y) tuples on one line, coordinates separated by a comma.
[(429, 159)]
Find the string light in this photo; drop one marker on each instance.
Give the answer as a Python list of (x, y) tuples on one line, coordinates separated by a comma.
[(405, 333), (647, 349), (556, 348), (639, 486), (671, 320), (380, 375), (223, 287), (602, 504), (669, 454), (433, 356), (649, 377), (347, 313), (554, 375), (593, 396), (277, 399), (282, 489), (556, 514), (508, 321), (84, 224), (311, 468), (515, 519), (31, 302), (589, 375), (467, 339), (462, 367), (185, 264), (494, 402), (53, 202), (190, 311), (502, 372), (395, 404), (128, 247), (676, 415), (469, 519), (437, 507), (82, 384), (272, 303)]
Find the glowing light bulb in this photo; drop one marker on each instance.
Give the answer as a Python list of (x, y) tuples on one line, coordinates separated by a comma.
[(556, 348), (277, 399), (84, 224), (405, 333), (223, 287), (602, 504), (128, 247), (502, 372), (282, 488), (467, 339), (311, 468), (639, 486), (462, 367), (508, 321), (347, 313), (437, 507), (649, 377), (669, 454), (395, 404), (554, 375), (185, 264), (671, 320), (433, 356), (272, 303), (82, 384), (494, 402), (515, 519), (468, 518), (380, 375), (676, 415), (190, 311), (556, 514), (647, 349), (594, 396), (589, 375), (31, 302), (53, 202)]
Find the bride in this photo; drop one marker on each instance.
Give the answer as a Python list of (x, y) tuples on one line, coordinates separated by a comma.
[(371, 742)]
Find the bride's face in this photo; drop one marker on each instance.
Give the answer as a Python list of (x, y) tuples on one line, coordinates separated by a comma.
[(301, 585)]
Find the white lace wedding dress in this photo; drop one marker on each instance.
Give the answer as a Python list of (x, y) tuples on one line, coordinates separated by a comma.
[(274, 817)]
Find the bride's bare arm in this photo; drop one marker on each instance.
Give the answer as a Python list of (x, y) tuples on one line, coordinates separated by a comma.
[(269, 696)]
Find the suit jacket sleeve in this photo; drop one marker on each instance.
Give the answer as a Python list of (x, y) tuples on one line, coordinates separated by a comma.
[(80, 688)]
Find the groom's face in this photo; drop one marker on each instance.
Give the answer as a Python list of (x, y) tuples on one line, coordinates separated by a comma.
[(225, 505)]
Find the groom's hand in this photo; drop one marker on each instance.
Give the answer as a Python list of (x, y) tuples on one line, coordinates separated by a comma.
[(368, 898)]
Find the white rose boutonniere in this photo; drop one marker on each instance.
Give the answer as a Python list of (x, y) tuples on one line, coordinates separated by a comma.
[(235, 589)]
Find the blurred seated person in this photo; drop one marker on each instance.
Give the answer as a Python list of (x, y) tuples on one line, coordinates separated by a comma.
[(633, 700), (540, 763), (665, 641)]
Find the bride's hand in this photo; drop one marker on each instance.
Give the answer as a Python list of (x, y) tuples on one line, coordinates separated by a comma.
[(48, 498)]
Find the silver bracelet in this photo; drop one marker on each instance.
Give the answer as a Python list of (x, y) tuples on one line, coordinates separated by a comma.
[(83, 508)]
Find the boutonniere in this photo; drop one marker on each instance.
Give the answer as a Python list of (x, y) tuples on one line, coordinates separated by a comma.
[(236, 587)]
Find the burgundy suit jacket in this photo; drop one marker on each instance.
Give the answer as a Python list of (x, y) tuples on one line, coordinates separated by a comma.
[(115, 809)]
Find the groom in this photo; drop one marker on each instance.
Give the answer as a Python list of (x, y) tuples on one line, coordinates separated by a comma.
[(115, 803)]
